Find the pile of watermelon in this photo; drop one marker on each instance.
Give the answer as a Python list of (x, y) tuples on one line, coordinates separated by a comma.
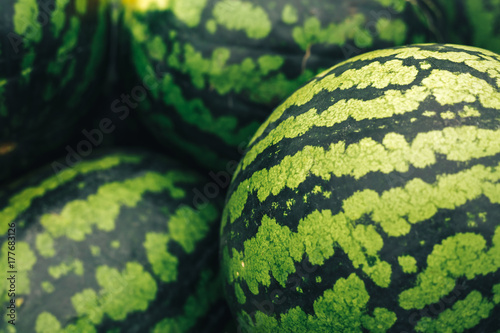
[(250, 166)]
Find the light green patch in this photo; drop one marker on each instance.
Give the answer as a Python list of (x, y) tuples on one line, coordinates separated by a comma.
[(496, 293), (58, 17), (452, 88), (115, 244), (469, 111), (163, 262), (120, 294), (187, 11), (268, 63), (243, 16), (207, 292), (471, 220), (157, 50), (464, 315), (81, 6), (397, 5), (26, 22), (268, 251), (340, 309), (63, 269), (482, 216), (408, 264), (289, 14), (461, 255), (101, 209), (353, 28), (25, 258), (429, 113), (95, 250), (48, 287), (21, 201), (394, 31), (240, 295), (358, 159), (187, 226), (47, 323), (45, 245), (317, 189), (318, 279), (211, 26), (425, 65)]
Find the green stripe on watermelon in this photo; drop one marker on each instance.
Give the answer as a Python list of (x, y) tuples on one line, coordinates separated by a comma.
[(19, 202), (370, 199), (53, 52), (114, 243), (221, 66)]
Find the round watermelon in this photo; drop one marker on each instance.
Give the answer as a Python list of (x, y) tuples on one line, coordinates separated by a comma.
[(208, 72), (118, 243), (369, 201), (52, 57), (471, 22)]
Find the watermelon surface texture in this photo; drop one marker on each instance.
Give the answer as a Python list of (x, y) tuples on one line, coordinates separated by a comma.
[(214, 70), (115, 244), (470, 22), (52, 55), (369, 201)]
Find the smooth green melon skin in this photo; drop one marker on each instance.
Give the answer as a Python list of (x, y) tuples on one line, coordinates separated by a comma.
[(369, 201), (52, 58), (215, 69), (470, 22), (118, 243)]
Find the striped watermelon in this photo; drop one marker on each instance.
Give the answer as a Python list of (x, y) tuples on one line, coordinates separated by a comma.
[(369, 201), (471, 22), (52, 54), (215, 69), (116, 244)]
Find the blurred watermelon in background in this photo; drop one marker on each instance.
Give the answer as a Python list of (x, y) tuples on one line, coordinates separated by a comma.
[(52, 65), (470, 22), (214, 70)]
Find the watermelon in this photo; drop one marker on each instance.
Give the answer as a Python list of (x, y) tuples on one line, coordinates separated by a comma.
[(52, 58), (470, 22), (369, 201), (208, 72), (118, 243)]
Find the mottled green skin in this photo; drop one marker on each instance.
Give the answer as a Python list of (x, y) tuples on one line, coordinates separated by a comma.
[(470, 22), (52, 58), (115, 244), (369, 201), (222, 66)]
